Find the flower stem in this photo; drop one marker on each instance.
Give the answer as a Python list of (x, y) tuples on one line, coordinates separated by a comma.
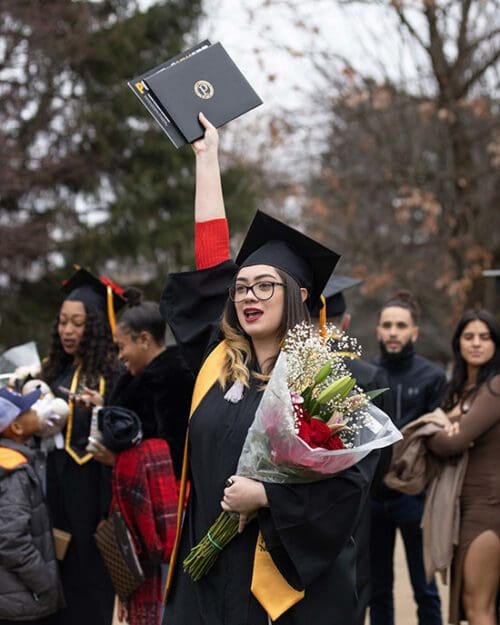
[(202, 556)]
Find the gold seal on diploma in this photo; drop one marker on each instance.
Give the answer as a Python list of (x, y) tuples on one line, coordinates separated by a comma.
[(204, 89)]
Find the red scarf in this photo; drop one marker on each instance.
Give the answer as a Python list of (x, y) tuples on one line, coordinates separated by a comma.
[(145, 491)]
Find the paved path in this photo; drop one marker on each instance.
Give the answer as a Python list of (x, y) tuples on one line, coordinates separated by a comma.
[(406, 613)]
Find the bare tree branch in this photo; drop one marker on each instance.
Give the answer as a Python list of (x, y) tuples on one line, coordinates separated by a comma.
[(478, 73)]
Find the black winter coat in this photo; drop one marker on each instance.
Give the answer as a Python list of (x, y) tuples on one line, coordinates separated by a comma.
[(29, 580), (416, 387), (161, 397), (370, 378)]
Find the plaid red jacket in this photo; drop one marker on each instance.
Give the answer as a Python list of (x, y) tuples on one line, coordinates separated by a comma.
[(145, 491)]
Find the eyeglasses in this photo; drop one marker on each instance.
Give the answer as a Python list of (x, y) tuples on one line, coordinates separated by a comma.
[(261, 291)]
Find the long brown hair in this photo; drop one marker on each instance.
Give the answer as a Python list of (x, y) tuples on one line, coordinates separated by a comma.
[(240, 361)]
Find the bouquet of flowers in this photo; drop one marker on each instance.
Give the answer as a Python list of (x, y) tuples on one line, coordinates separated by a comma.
[(313, 421)]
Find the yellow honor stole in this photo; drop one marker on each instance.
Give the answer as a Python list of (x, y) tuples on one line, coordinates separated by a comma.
[(268, 586), (69, 426)]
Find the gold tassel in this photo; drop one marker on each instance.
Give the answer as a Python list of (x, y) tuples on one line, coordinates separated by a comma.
[(322, 319), (111, 308)]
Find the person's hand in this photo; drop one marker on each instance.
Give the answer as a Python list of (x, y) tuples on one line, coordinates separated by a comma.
[(102, 454), (89, 398), (244, 496), (122, 611), (452, 429), (210, 141)]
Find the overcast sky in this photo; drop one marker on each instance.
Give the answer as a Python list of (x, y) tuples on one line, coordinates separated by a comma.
[(366, 35), (256, 36)]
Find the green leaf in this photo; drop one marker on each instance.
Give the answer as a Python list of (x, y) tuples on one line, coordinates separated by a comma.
[(375, 393)]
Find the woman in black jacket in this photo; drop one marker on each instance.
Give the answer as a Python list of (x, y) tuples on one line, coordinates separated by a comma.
[(157, 384)]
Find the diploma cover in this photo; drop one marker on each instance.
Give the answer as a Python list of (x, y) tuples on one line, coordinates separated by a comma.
[(202, 79)]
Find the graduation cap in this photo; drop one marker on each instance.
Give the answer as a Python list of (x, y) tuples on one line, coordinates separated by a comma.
[(271, 242), (333, 295), (100, 293)]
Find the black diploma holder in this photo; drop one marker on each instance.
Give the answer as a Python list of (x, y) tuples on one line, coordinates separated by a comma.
[(202, 79)]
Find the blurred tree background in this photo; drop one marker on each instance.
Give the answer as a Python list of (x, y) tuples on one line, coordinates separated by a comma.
[(86, 177), (397, 169), (405, 153), (412, 169)]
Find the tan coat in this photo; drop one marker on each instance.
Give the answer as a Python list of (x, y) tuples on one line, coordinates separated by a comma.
[(415, 469)]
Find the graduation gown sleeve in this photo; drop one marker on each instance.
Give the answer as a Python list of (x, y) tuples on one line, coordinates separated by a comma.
[(192, 304), (307, 525)]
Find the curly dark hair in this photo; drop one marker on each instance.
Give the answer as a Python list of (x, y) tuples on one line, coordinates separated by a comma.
[(96, 351), (455, 391)]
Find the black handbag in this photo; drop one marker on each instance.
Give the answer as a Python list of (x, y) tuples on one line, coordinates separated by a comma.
[(116, 547)]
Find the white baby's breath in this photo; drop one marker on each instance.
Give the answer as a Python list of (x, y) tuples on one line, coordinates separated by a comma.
[(307, 352)]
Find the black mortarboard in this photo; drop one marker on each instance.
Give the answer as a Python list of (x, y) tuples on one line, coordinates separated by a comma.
[(334, 295), (271, 242), (100, 293)]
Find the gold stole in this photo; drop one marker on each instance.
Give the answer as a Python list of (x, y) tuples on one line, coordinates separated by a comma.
[(69, 426), (268, 585)]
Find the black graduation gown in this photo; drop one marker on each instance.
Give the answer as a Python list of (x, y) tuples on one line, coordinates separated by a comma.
[(161, 396), (369, 378), (78, 497), (307, 527)]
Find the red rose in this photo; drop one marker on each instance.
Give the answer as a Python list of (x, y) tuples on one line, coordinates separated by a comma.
[(314, 432), (304, 431), (317, 434), (320, 432), (335, 442)]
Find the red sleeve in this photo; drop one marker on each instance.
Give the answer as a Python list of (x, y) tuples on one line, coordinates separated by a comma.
[(211, 243)]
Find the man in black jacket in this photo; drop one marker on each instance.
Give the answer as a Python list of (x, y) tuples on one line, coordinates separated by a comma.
[(369, 377), (416, 388)]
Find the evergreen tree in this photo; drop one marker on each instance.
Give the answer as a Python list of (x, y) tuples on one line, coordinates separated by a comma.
[(86, 175)]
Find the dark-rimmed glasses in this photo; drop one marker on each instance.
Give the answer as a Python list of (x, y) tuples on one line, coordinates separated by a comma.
[(261, 290)]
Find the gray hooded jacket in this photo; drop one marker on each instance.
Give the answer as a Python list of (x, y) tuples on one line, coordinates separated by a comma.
[(29, 579)]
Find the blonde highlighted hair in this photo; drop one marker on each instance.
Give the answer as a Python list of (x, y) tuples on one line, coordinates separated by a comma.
[(237, 358)]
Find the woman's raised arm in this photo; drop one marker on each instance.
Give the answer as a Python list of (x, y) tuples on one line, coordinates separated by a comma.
[(209, 201), (211, 231)]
